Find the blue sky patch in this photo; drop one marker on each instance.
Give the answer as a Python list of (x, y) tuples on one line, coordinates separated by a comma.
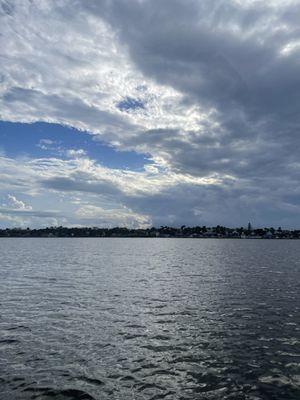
[(129, 103), (41, 139)]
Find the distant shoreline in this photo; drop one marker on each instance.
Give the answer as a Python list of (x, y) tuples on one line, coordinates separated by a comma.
[(141, 237), (184, 232)]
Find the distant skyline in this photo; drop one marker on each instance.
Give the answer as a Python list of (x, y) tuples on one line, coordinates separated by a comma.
[(144, 113)]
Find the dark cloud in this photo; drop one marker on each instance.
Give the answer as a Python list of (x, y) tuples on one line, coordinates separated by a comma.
[(6, 7), (66, 110), (226, 56), (29, 213), (230, 204), (236, 62), (81, 183)]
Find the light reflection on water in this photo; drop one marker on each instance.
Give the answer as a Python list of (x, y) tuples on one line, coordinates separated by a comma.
[(149, 319)]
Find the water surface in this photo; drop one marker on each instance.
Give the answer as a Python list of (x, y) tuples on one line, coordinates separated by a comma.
[(149, 319)]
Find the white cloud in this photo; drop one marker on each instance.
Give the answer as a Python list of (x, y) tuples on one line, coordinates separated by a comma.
[(211, 80), (56, 72), (16, 204), (46, 144), (74, 153), (80, 192), (112, 217)]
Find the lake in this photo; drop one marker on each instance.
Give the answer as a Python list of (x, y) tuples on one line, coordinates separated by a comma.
[(125, 318)]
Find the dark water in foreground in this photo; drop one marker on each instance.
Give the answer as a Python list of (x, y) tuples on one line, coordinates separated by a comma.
[(149, 319)]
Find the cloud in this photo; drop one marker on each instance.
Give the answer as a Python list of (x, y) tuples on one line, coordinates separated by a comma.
[(29, 213), (113, 217), (16, 204), (45, 144), (225, 57), (75, 153), (209, 89), (56, 148), (85, 193), (15, 212)]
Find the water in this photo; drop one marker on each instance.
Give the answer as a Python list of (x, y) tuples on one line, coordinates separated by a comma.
[(149, 319)]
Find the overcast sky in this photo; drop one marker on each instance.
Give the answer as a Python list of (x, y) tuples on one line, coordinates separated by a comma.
[(140, 113)]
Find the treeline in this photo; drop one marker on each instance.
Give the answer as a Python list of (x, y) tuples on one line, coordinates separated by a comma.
[(164, 231)]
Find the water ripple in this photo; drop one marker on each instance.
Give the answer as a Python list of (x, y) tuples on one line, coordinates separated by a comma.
[(122, 319)]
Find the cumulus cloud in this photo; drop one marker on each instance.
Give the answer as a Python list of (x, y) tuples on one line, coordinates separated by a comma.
[(75, 153), (16, 204), (209, 89), (15, 212), (226, 58), (45, 144), (86, 193), (112, 217)]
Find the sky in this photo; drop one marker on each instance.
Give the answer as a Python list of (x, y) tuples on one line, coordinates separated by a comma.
[(144, 113)]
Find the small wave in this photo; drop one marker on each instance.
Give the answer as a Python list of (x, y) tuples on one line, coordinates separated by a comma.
[(163, 372), (277, 380), (134, 336), (8, 342), (92, 381), (162, 395), (18, 328), (165, 321), (149, 366), (127, 378), (147, 385), (161, 337), (64, 394), (160, 349), (135, 326)]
